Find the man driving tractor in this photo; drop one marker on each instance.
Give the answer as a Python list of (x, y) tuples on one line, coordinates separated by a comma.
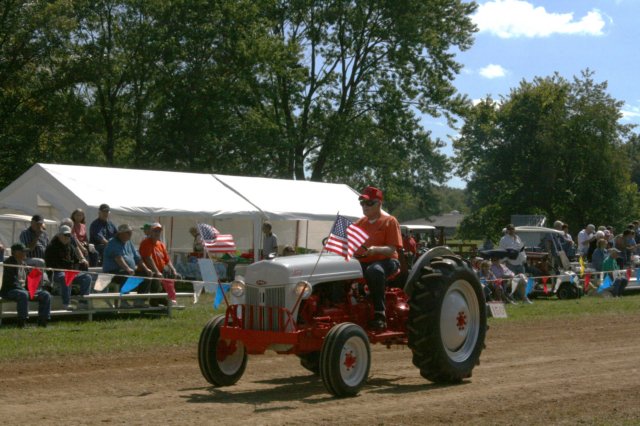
[(379, 254)]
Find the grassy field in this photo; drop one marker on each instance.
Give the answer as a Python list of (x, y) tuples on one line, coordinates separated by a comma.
[(121, 334)]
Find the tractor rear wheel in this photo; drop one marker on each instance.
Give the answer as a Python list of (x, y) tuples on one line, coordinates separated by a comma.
[(447, 321), (222, 362), (345, 359)]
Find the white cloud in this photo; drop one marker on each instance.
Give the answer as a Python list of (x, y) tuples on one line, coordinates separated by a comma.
[(519, 18), (630, 113), (493, 71)]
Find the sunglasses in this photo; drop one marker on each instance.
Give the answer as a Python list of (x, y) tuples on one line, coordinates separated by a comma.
[(368, 203)]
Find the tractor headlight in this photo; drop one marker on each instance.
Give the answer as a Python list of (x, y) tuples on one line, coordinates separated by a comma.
[(303, 289), (237, 288)]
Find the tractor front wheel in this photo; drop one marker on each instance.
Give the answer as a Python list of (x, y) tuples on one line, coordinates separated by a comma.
[(345, 359), (222, 362), (447, 321)]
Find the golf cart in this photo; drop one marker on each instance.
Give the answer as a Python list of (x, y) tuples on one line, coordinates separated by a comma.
[(546, 258)]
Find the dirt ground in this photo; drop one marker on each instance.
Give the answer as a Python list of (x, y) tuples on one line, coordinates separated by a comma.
[(552, 372)]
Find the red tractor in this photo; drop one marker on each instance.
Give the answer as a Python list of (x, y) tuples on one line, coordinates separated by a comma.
[(317, 308)]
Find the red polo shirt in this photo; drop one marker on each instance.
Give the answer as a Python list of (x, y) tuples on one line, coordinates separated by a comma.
[(385, 231)]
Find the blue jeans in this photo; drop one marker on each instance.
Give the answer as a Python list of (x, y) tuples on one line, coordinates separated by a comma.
[(376, 274), (82, 279), (21, 297)]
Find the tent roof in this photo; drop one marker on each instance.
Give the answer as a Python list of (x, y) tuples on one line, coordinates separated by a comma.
[(160, 193), (136, 192), (282, 199)]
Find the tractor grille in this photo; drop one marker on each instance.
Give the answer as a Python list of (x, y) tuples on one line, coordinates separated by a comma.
[(263, 310)]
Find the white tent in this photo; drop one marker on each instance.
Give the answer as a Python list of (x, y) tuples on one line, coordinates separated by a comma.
[(237, 205)]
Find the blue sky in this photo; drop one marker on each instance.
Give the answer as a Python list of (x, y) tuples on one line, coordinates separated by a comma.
[(522, 39)]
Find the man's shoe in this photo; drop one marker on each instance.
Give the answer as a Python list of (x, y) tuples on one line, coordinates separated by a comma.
[(528, 301), (42, 323), (22, 323), (379, 322)]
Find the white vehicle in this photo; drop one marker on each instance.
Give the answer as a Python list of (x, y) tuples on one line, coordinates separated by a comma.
[(564, 281)]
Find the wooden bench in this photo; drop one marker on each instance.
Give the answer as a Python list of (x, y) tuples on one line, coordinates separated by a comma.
[(106, 303)]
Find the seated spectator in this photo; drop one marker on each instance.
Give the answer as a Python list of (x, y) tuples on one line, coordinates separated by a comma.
[(146, 230), (288, 251), (198, 248), (584, 239), (410, 247), (492, 291), (82, 254), (79, 232), (630, 245), (514, 245), (155, 255), (61, 254), (568, 245), (518, 282), (610, 265), (599, 254), (102, 230), (14, 279), (122, 258), (35, 239)]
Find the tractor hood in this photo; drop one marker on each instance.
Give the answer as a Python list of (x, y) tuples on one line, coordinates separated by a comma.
[(292, 269)]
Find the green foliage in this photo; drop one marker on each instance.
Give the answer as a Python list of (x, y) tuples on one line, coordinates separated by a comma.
[(292, 89), (442, 200), (552, 147)]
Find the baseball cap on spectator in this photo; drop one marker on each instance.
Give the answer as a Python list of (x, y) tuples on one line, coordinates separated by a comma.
[(591, 227), (156, 225), (64, 230), (124, 228), (371, 193), (18, 247), (510, 227), (599, 234), (37, 218), (104, 208), (145, 226)]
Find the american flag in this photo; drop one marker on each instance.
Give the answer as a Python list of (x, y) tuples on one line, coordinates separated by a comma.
[(215, 242), (345, 238)]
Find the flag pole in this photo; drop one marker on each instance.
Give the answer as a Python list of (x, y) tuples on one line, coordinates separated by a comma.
[(321, 251)]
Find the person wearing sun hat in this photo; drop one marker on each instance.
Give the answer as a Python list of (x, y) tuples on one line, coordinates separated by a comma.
[(14, 279), (122, 258), (155, 255), (62, 256), (380, 252)]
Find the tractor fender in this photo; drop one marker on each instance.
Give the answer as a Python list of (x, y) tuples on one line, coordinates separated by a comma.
[(421, 262)]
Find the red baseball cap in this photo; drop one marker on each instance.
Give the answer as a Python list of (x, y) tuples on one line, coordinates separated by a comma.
[(371, 193)]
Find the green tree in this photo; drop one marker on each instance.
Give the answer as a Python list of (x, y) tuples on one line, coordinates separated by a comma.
[(551, 147), (342, 97), (32, 35)]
